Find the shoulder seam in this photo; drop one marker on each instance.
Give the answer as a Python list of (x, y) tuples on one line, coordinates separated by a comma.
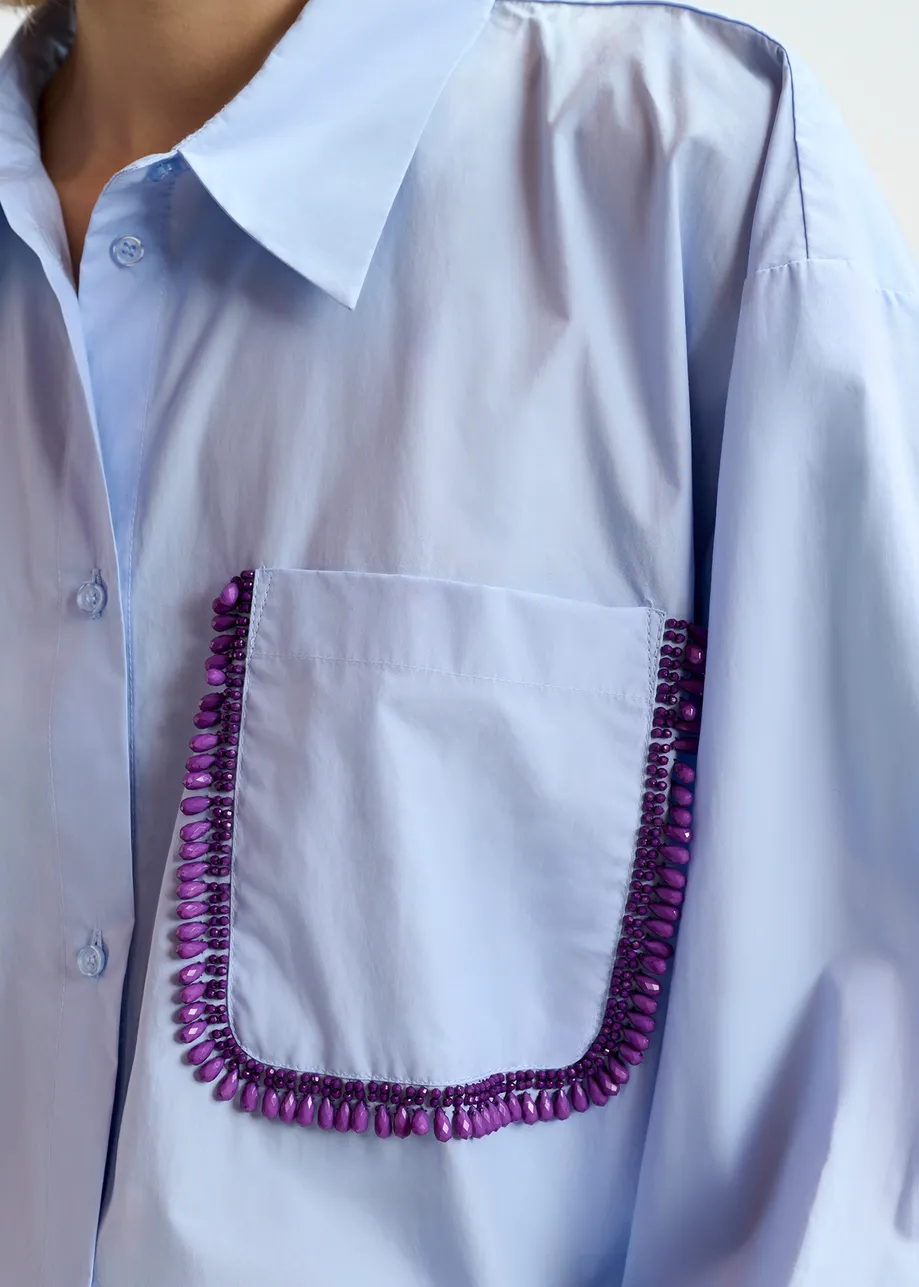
[(731, 22)]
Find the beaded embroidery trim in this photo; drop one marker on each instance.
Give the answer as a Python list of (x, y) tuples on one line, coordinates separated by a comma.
[(648, 929)]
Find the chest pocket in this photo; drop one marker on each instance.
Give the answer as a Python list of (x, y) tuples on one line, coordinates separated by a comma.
[(438, 791)]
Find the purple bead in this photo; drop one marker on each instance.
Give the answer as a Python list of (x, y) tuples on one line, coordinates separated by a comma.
[(528, 1109), (192, 1031), (683, 773), (223, 643), (211, 1070), (224, 622), (203, 1051), (631, 1055), (188, 951), (306, 1111), (191, 888), (190, 931), (605, 1081), (595, 1092), (642, 1023), (229, 594), (194, 831), (544, 1109), (654, 965), (203, 742), (462, 1124), (204, 719), (680, 835), (650, 987), (214, 677), (186, 911), (198, 763), (442, 1129), (637, 1040), (689, 711), (193, 991), (382, 1122), (197, 849), (675, 879), (617, 1071), (192, 870), (249, 1100), (288, 1107), (695, 655), (674, 853), (343, 1117), (195, 804), (664, 912), (402, 1122), (360, 1118), (504, 1113), (227, 1088), (579, 1101), (190, 973), (479, 1128), (682, 818), (192, 781), (660, 929), (189, 1013), (421, 1123), (682, 795), (326, 1116), (561, 1106)]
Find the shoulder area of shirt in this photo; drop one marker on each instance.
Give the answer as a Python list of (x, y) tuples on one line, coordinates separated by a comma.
[(742, 88)]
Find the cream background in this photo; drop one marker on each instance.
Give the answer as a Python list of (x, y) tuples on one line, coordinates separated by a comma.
[(865, 56)]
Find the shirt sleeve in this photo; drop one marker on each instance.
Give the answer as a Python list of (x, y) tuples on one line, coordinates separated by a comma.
[(783, 1147)]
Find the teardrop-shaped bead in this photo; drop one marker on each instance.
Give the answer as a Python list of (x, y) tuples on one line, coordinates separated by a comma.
[(193, 990), (195, 804), (188, 911), (504, 1113), (360, 1118), (544, 1109), (226, 643), (198, 1054), (681, 818), (605, 1082), (190, 930), (637, 1040), (672, 897), (306, 1111), (192, 1031), (191, 973), (382, 1122), (513, 1106), (561, 1106), (194, 1010), (211, 1070), (288, 1107), (421, 1123), (229, 594), (227, 1088), (343, 1117), (654, 965), (462, 1125), (631, 1055), (198, 763), (192, 870), (596, 1093), (249, 1100), (188, 951), (194, 831), (650, 987), (682, 796), (669, 876), (479, 1125), (674, 853), (529, 1113), (191, 888), (683, 773), (204, 719), (664, 912), (442, 1129), (214, 677), (618, 1071), (212, 701), (645, 1004), (660, 929), (224, 622), (694, 654), (204, 742), (326, 1115), (579, 1100), (402, 1122), (679, 835), (192, 781)]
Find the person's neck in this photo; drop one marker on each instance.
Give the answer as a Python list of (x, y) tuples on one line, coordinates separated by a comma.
[(142, 75)]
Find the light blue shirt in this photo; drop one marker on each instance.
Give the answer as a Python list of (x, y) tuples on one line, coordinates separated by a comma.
[(490, 335)]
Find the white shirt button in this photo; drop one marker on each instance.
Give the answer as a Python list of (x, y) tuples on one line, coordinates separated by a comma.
[(92, 595), (127, 251), (91, 959), (162, 169)]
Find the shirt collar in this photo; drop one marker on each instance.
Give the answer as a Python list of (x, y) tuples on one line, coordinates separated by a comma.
[(309, 156)]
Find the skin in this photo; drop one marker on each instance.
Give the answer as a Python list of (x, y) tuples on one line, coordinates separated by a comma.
[(140, 77)]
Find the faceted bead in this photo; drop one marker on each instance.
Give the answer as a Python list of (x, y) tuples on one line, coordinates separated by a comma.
[(203, 742), (642, 1003), (189, 1013), (211, 1070), (684, 773), (630, 1054), (478, 1124), (204, 719), (360, 1118), (306, 1111), (654, 965), (402, 1122), (674, 853), (596, 1093), (605, 1081), (192, 781), (528, 1108), (681, 818), (326, 1115), (190, 931), (203, 1051), (675, 879), (187, 911), (504, 1113), (195, 804), (579, 1101), (195, 850), (227, 1088), (637, 1040), (229, 594), (421, 1123), (642, 1023), (287, 1107), (689, 711), (194, 830), (544, 1110), (561, 1106), (343, 1117), (680, 835), (192, 1031), (462, 1125), (191, 888), (513, 1106), (682, 796), (191, 973), (695, 655), (382, 1122), (193, 991), (226, 643), (224, 622), (442, 1129), (661, 929), (249, 1100), (650, 987)]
